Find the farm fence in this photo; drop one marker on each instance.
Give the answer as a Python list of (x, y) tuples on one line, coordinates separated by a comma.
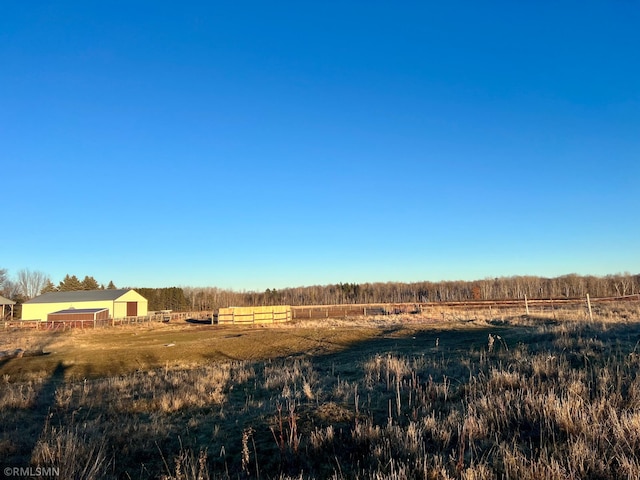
[(279, 314), (255, 315), (110, 322), (436, 309)]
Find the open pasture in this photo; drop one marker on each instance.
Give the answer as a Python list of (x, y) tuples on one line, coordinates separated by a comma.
[(485, 395)]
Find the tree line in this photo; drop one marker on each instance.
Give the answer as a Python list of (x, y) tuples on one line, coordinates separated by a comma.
[(172, 298), (502, 288), (29, 284)]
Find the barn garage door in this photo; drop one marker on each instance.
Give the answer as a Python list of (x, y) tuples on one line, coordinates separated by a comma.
[(132, 309)]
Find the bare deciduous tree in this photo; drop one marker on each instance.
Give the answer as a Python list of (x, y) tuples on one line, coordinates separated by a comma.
[(3, 279), (30, 283)]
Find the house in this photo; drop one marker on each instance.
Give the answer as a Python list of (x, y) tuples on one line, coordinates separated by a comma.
[(67, 305)]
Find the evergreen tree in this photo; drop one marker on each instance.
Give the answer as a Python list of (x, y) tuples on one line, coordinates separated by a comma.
[(171, 298), (70, 283), (48, 287), (90, 283), (111, 285)]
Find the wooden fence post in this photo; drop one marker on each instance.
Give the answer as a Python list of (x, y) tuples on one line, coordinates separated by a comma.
[(589, 306), (526, 305)]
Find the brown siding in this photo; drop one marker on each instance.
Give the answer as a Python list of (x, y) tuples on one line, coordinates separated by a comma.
[(69, 316)]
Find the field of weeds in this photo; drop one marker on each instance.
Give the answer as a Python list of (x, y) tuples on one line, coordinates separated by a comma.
[(485, 397)]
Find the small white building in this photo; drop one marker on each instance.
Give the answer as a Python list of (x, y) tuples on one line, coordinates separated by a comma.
[(120, 303), (5, 302)]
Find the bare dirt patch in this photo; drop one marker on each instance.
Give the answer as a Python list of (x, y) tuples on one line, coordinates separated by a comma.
[(120, 350)]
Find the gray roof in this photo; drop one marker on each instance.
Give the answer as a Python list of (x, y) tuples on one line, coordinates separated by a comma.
[(6, 301), (79, 296), (80, 310)]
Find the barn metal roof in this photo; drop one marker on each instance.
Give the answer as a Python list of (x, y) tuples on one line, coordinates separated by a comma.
[(70, 311), (79, 296), (6, 301)]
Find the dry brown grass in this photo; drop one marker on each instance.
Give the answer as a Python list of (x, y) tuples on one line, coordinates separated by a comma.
[(120, 350), (486, 397)]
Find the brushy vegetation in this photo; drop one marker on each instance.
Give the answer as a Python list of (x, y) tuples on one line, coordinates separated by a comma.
[(497, 398)]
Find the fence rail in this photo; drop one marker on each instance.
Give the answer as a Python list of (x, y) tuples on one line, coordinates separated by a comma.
[(110, 322), (322, 311), (344, 310)]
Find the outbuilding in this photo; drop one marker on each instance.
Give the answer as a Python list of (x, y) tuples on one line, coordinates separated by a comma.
[(5, 302), (79, 314), (118, 303)]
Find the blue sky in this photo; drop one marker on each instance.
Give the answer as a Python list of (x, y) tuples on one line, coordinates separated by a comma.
[(253, 145)]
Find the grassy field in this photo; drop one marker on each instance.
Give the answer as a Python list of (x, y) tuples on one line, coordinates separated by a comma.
[(489, 396)]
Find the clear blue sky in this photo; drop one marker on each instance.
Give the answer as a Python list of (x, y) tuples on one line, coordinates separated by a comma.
[(249, 145)]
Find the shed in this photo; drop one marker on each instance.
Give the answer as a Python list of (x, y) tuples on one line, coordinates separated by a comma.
[(5, 302), (119, 303), (72, 314)]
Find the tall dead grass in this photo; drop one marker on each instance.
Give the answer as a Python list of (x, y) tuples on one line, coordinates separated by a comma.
[(75, 452), (520, 397)]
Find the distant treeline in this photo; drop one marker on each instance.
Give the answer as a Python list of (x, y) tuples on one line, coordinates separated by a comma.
[(31, 283), (171, 298), (502, 288)]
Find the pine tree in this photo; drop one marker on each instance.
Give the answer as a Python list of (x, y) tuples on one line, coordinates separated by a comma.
[(90, 283), (49, 287), (70, 283)]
